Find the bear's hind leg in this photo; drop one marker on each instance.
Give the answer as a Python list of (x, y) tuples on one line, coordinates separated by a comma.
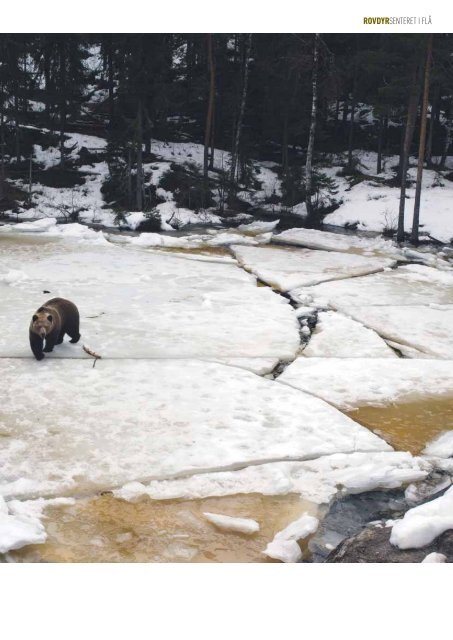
[(72, 329), (75, 337)]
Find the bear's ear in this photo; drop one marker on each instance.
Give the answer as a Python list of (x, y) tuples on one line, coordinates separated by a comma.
[(49, 318), (35, 317), (40, 309)]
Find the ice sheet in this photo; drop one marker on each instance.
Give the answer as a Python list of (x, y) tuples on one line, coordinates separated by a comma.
[(287, 268), (337, 336), (68, 427), (316, 480), (354, 382), (138, 304)]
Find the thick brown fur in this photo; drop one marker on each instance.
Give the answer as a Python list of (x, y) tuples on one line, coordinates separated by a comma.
[(50, 323)]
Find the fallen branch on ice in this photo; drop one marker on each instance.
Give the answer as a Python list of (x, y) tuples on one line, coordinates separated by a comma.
[(92, 353)]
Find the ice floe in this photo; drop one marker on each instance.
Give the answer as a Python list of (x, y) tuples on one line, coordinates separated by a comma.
[(68, 427), (21, 522), (316, 480), (337, 336), (195, 241), (409, 285), (353, 382), (423, 524), (325, 240), (284, 546), (288, 268), (230, 523), (426, 329), (138, 304), (435, 557), (441, 447)]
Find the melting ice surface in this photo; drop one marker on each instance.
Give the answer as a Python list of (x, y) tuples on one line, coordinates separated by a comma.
[(171, 411)]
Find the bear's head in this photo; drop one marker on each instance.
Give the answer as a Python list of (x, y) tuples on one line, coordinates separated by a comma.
[(42, 323)]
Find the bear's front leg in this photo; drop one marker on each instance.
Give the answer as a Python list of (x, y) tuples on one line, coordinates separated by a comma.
[(36, 344), (50, 343)]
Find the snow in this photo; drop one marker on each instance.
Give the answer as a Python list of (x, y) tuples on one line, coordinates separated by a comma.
[(195, 241), (153, 419), (18, 531), (441, 446), (423, 328), (173, 216), (50, 157), (375, 206), (37, 226), (84, 199), (409, 285), (317, 480), (353, 382), (229, 523), (337, 336), (177, 308), (181, 152), (435, 557), (282, 547), (328, 241), (283, 550), (288, 268), (423, 524), (259, 226), (411, 306)]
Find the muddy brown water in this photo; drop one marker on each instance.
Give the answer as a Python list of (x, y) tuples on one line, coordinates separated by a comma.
[(107, 529), (200, 251), (408, 426)]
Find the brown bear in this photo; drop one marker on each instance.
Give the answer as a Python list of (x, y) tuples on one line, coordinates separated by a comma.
[(51, 321)]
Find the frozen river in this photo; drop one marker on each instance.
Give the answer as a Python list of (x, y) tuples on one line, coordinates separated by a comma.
[(213, 394)]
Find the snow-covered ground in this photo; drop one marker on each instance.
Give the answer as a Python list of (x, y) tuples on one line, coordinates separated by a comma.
[(374, 206)]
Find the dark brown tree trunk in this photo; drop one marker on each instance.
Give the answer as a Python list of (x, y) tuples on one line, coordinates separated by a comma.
[(447, 140), (30, 177), (345, 110), (240, 118), (212, 152), (409, 132), (110, 78), (311, 137), (16, 128), (380, 139), (47, 81), (2, 157), (139, 161), (432, 124), (285, 159), (63, 114), (129, 176), (421, 148), (209, 116)]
